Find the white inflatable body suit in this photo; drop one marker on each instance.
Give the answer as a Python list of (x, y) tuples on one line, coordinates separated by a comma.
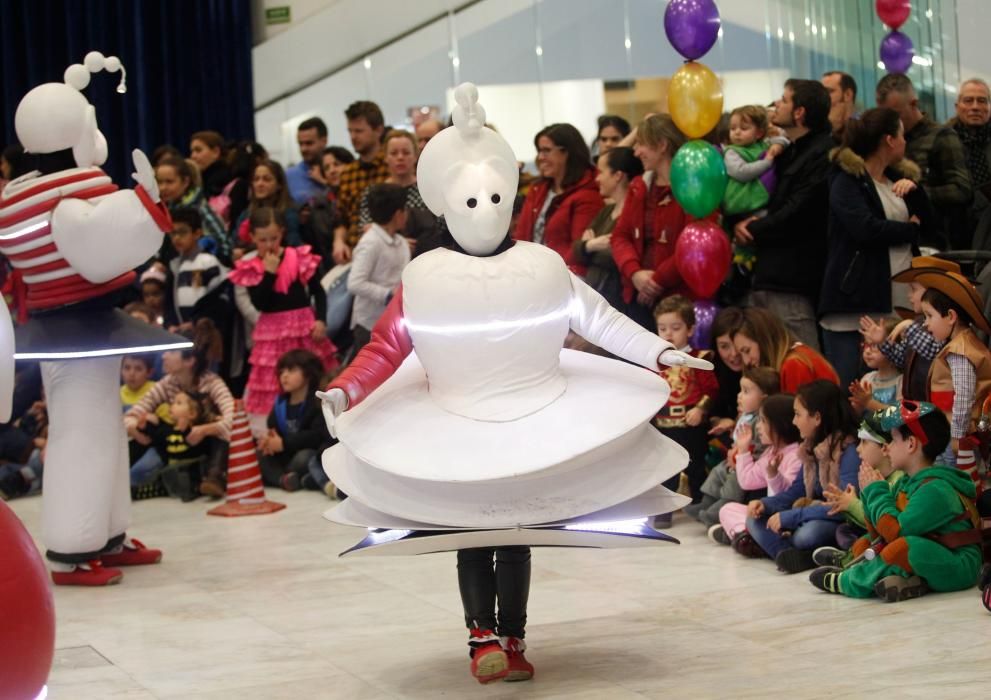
[(481, 430), (76, 238)]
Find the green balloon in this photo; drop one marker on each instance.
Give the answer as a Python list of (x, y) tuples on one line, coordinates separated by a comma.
[(698, 178)]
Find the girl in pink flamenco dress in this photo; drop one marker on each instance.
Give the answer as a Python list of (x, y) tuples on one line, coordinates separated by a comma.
[(282, 285)]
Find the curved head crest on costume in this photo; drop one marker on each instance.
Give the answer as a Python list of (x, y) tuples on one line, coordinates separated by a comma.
[(55, 116), (468, 174)]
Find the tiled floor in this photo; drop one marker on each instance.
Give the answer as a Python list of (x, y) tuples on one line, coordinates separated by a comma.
[(261, 607)]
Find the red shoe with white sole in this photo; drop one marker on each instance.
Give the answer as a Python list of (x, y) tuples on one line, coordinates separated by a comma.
[(92, 573), (519, 668), (133, 553), (488, 660)]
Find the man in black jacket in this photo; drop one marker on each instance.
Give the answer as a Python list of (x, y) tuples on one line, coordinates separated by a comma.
[(791, 239)]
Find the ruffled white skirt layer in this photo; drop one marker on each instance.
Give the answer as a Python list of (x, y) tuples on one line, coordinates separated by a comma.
[(590, 456)]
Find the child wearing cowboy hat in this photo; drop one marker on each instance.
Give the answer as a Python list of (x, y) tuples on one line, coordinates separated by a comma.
[(909, 347), (960, 376)]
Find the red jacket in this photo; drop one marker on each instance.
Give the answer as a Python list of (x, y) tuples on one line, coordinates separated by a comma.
[(802, 365), (628, 243), (567, 218)]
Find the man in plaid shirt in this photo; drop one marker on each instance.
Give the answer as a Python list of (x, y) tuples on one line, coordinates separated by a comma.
[(365, 127)]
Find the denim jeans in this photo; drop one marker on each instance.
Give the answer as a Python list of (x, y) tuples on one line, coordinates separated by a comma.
[(147, 466), (274, 467), (809, 535), (842, 349), (315, 469)]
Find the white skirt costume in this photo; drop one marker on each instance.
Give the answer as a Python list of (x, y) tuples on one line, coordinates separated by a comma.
[(490, 434)]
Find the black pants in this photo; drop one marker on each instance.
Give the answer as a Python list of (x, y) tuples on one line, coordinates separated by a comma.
[(696, 442), (482, 585)]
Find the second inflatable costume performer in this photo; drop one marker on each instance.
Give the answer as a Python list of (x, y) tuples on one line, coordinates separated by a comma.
[(464, 425)]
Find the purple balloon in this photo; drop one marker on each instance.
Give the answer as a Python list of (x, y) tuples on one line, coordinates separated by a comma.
[(896, 53), (692, 26), (705, 313)]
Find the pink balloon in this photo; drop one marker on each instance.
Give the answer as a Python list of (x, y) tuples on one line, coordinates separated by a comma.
[(703, 255), (893, 12)]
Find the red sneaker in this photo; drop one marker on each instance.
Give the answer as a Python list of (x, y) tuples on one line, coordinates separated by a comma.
[(133, 553), (488, 660), (519, 668), (92, 573)]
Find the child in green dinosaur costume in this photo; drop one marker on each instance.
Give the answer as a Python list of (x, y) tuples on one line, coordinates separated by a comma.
[(925, 529)]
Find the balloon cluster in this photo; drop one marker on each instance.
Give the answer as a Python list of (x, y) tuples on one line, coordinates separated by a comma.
[(698, 175), (896, 48)]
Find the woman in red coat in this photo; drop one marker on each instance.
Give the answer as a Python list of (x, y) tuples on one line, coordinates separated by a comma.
[(644, 238), (563, 202)]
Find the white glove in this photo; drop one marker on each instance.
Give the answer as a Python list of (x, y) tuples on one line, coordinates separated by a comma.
[(676, 358), (333, 403), (144, 174)]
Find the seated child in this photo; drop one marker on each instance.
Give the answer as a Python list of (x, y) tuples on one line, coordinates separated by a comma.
[(135, 374), (873, 440), (296, 427), (910, 347), (925, 529), (721, 485), (788, 526), (880, 387), (774, 469), (683, 417), (183, 460)]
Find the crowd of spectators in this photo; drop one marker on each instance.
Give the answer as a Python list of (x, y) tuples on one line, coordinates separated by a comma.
[(851, 291)]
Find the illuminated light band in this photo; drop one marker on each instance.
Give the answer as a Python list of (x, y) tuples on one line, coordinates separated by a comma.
[(471, 328), (629, 527), (80, 354)]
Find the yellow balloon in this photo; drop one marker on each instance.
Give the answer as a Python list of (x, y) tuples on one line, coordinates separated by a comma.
[(695, 100)]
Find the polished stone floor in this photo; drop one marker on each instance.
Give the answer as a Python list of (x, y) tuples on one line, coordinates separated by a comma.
[(261, 607)]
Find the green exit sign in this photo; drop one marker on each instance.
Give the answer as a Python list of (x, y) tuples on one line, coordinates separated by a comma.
[(278, 15)]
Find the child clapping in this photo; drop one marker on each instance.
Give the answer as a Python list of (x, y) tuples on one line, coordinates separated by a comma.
[(882, 386), (773, 470), (721, 485)]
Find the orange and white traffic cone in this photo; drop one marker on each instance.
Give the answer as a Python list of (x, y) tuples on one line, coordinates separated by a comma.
[(245, 493)]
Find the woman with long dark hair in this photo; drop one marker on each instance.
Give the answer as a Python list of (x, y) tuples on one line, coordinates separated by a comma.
[(877, 214), (562, 203)]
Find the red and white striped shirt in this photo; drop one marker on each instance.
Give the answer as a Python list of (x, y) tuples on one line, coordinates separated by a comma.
[(26, 209)]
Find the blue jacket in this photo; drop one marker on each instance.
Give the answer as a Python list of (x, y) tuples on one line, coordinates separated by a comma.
[(792, 518)]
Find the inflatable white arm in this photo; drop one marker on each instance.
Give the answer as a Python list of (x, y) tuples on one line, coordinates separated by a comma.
[(595, 320), (6, 363), (105, 239)]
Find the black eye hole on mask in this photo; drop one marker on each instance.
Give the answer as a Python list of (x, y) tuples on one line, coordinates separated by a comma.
[(496, 199), (472, 203)]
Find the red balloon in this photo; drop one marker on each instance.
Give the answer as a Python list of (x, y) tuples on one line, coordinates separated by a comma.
[(893, 12), (27, 635), (703, 255)]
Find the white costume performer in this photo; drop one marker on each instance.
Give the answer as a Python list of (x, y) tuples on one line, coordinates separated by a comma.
[(76, 239), (482, 434), (489, 426)]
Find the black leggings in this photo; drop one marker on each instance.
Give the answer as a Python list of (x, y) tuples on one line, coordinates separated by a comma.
[(482, 584)]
